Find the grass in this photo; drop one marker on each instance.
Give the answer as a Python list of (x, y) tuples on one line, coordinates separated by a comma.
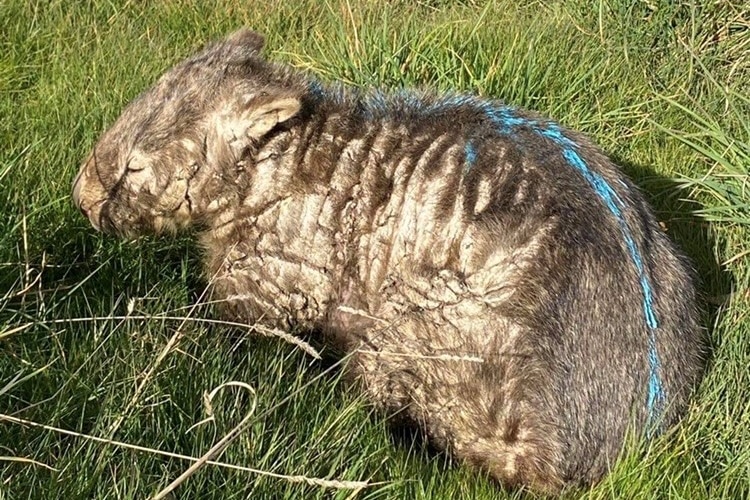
[(84, 343)]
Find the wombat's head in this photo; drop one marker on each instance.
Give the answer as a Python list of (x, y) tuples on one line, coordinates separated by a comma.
[(161, 163)]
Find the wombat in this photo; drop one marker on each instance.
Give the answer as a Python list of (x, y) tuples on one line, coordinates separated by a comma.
[(491, 275)]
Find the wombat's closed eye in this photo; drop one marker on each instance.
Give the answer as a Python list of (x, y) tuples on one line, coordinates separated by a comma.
[(491, 275)]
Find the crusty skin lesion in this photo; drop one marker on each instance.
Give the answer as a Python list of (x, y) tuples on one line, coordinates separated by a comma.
[(475, 280)]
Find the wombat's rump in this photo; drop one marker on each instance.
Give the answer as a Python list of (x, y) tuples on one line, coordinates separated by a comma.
[(492, 275)]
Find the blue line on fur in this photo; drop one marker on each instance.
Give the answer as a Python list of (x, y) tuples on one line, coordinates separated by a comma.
[(316, 89), (377, 102), (506, 121), (613, 202), (470, 153), (655, 391), (410, 99)]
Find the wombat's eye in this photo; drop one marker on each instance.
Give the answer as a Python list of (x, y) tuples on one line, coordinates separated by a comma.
[(134, 165)]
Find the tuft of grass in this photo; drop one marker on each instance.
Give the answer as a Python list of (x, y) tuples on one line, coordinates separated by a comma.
[(726, 156), (114, 340)]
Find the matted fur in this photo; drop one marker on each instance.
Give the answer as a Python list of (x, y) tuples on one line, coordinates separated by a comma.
[(494, 277)]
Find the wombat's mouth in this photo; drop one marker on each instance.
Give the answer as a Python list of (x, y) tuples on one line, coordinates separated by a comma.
[(92, 211), (97, 216)]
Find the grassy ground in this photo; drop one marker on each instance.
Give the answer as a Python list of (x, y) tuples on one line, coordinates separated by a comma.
[(662, 86)]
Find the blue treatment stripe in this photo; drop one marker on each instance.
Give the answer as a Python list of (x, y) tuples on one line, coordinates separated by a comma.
[(410, 98), (506, 121), (470, 153), (377, 102), (316, 89), (656, 394)]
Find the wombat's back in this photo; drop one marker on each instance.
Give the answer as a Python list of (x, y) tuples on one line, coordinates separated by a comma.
[(488, 234)]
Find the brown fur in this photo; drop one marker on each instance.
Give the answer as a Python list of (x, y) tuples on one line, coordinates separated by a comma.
[(447, 244)]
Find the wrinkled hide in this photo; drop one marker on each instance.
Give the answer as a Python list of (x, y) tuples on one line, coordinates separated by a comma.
[(492, 276)]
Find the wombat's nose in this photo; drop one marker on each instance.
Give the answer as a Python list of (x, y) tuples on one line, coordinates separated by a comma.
[(82, 197), (77, 192)]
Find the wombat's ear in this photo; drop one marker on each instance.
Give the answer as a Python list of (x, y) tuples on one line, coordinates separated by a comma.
[(258, 120), (246, 39), (237, 129)]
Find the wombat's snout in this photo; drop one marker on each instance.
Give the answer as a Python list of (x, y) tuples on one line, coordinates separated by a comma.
[(77, 193), (89, 195)]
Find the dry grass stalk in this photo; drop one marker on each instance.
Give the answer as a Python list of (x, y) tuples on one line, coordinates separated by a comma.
[(312, 481)]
